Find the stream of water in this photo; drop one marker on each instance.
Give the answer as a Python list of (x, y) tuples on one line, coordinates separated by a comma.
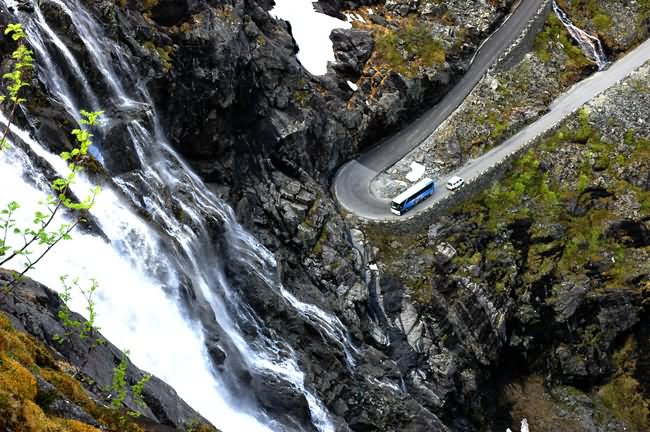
[(590, 44), (146, 267)]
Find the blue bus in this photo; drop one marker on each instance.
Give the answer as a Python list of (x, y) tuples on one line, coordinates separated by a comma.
[(411, 196)]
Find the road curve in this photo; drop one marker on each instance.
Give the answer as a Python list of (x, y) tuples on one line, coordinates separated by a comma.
[(352, 184)]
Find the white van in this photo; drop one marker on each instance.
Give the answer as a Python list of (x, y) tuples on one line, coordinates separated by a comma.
[(454, 183)]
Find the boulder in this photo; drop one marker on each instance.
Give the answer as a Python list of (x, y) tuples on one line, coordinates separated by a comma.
[(352, 48)]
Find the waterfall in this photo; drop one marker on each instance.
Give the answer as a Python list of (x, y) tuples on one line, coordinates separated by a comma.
[(152, 264), (590, 44)]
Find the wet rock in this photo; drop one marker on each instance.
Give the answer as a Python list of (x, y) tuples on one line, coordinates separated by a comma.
[(216, 352), (279, 397), (118, 149), (33, 308)]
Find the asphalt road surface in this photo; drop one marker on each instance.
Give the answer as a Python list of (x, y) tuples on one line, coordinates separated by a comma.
[(352, 182)]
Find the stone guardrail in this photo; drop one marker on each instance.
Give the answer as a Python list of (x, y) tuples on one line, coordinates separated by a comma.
[(524, 43), (521, 46), (416, 222)]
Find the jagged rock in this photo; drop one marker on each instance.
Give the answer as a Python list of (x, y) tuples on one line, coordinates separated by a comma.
[(392, 294), (277, 396), (251, 112), (352, 48), (570, 296), (51, 400), (445, 253), (171, 12), (33, 308), (630, 232), (334, 7)]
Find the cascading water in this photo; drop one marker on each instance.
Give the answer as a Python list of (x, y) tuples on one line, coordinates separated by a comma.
[(152, 265), (590, 44)]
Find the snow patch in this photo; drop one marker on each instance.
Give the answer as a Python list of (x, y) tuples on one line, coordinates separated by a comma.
[(524, 426), (352, 16), (417, 171), (311, 30), (353, 86)]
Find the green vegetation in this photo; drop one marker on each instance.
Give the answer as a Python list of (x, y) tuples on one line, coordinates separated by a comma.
[(590, 9), (86, 328), (623, 393), (394, 249), (23, 59), (515, 97), (120, 389), (552, 33), (529, 193), (22, 360), (598, 16), (408, 49), (163, 53), (40, 232)]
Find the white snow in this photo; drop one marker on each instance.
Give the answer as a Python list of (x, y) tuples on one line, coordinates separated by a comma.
[(524, 426), (311, 30), (353, 86), (350, 16), (417, 171)]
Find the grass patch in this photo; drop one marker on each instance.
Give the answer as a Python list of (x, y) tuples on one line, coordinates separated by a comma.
[(552, 33), (407, 49), (623, 395)]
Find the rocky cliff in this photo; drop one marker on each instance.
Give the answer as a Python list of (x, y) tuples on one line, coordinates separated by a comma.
[(268, 136), (53, 379), (535, 290), (460, 330)]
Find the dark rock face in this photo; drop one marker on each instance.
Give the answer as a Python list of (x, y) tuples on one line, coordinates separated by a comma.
[(254, 124), (33, 308), (630, 232), (171, 12), (55, 403), (276, 396), (334, 7), (352, 48)]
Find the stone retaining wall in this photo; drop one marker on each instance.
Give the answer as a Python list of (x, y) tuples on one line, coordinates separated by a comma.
[(414, 223), (418, 221), (522, 45), (526, 40)]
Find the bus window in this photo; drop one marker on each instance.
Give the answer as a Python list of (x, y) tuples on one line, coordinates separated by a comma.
[(413, 195)]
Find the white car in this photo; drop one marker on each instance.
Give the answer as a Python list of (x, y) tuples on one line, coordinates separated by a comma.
[(454, 183)]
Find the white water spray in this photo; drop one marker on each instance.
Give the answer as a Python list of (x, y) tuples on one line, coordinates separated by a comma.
[(139, 273), (133, 310)]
